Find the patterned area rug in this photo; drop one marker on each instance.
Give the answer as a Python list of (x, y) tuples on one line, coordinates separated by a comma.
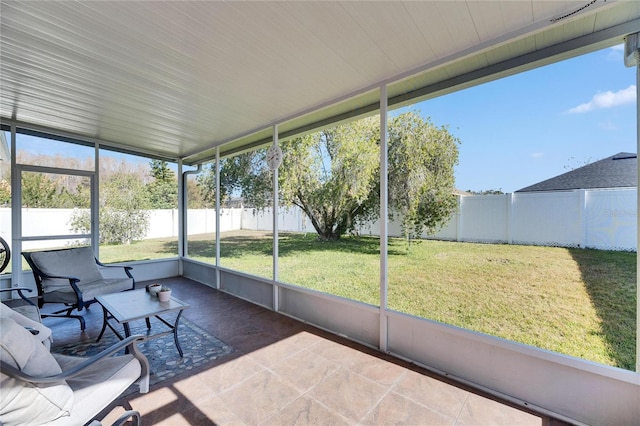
[(199, 348)]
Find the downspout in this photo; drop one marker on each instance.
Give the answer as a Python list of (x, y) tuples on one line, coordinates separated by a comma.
[(632, 59)]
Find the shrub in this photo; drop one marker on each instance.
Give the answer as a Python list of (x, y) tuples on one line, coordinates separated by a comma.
[(116, 226)]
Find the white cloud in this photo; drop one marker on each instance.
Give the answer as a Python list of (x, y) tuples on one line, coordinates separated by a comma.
[(607, 99), (537, 154), (615, 53)]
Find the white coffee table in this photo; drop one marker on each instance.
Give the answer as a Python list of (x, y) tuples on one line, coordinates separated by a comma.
[(133, 305)]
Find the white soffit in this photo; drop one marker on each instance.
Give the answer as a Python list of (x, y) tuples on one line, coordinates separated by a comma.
[(176, 79)]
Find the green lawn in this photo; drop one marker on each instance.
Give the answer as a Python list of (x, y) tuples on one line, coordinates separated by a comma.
[(573, 301)]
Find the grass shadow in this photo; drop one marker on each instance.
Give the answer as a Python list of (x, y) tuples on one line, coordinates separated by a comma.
[(610, 279), (288, 245)]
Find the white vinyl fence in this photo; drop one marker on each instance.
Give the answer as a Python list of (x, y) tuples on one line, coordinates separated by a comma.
[(162, 224), (602, 219)]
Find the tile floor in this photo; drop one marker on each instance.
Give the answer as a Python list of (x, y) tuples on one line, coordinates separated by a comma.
[(285, 372)]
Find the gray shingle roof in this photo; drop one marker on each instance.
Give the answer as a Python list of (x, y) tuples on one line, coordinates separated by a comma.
[(617, 171)]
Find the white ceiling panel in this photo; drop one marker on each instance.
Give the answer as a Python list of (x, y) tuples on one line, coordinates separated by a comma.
[(628, 8), (493, 20), (406, 40), (178, 78), (447, 26)]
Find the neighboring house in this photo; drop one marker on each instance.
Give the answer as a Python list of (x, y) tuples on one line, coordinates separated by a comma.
[(617, 171)]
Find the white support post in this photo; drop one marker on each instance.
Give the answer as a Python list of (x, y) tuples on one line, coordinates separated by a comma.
[(276, 302), (384, 230), (637, 208), (16, 215), (182, 224), (632, 59), (95, 202), (582, 217), (510, 218), (459, 219), (634, 43), (218, 218)]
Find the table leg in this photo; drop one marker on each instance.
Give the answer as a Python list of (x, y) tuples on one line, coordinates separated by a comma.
[(127, 333), (104, 323), (175, 334)]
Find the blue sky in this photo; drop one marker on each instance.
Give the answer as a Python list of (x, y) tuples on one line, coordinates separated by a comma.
[(529, 127), (535, 125)]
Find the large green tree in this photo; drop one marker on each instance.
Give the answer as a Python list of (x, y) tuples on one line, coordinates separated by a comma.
[(39, 190), (205, 190), (245, 175), (195, 195), (333, 175), (421, 160), (163, 190)]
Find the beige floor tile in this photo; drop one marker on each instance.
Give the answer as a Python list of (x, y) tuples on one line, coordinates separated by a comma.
[(305, 340), (221, 377), (395, 409), (211, 411), (176, 419), (164, 399), (275, 352), (483, 411), (437, 395), (259, 397), (374, 368), (343, 383), (304, 369), (165, 412), (339, 353), (197, 387), (384, 372), (348, 393), (305, 411)]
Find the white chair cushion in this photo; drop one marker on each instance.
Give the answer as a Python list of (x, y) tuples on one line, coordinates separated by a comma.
[(22, 403), (107, 378), (76, 262), (89, 290), (44, 333)]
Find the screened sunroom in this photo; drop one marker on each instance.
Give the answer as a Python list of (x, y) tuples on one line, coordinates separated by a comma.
[(178, 138)]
